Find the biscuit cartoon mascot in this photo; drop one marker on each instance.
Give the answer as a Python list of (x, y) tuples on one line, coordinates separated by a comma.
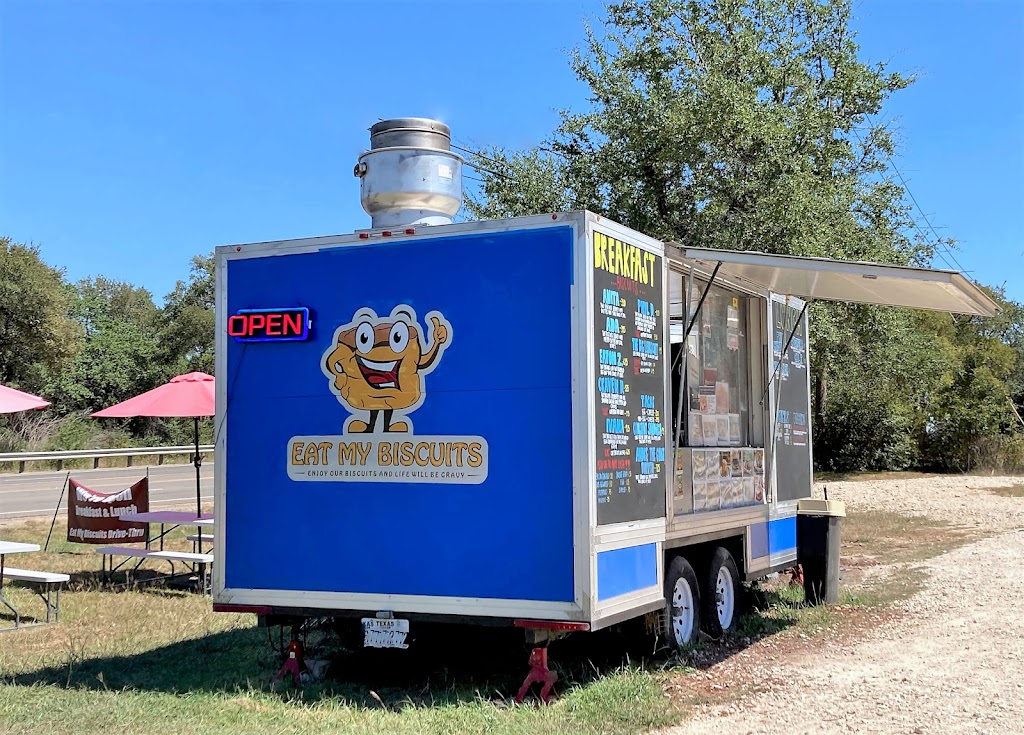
[(377, 365)]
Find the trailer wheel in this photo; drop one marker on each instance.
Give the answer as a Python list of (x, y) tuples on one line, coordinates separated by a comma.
[(721, 594), (681, 624)]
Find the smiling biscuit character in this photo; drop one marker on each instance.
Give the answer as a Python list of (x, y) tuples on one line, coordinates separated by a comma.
[(377, 365)]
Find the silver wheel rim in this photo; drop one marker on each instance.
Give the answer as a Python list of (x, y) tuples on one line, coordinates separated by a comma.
[(682, 612), (725, 597)]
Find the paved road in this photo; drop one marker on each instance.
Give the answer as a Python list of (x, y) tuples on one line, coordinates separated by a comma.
[(36, 493)]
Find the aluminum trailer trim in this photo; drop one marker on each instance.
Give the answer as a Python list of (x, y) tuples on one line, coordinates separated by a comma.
[(631, 534)]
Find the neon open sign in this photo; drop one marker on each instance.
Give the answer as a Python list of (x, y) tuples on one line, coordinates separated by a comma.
[(270, 325)]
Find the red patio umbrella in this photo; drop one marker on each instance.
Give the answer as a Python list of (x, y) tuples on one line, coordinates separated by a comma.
[(13, 401), (189, 395)]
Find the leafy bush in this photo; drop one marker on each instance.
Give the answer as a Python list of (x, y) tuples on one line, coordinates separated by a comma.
[(28, 431), (864, 431), (74, 432), (998, 454)]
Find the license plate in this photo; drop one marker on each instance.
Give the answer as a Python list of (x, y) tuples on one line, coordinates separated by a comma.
[(385, 633)]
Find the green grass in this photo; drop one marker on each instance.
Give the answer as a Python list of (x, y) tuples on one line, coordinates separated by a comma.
[(625, 702), (781, 606), (158, 660), (155, 659)]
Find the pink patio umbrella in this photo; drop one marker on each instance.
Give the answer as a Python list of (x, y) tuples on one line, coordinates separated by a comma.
[(13, 401), (189, 395)]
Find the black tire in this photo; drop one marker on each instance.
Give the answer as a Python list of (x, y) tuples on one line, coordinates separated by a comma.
[(680, 570), (712, 621)]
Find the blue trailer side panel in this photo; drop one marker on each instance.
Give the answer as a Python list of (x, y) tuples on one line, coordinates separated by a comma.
[(626, 570), (504, 375), (781, 534)]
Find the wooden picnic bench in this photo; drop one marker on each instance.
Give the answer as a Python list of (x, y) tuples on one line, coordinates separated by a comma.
[(185, 557), (50, 581)]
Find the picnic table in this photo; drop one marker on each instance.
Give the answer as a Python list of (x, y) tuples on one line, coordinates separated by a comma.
[(173, 519), (47, 579), (177, 517)]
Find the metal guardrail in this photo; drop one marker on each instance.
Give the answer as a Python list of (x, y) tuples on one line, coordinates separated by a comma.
[(97, 454)]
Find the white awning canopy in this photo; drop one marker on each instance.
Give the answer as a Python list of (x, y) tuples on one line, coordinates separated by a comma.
[(841, 280)]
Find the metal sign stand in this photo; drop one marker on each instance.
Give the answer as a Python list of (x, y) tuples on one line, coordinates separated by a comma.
[(56, 510)]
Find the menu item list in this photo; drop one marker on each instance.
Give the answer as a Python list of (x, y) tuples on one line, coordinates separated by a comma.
[(630, 392)]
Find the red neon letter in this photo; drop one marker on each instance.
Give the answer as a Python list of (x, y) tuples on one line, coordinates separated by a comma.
[(273, 325), (256, 321), (237, 325), (293, 324)]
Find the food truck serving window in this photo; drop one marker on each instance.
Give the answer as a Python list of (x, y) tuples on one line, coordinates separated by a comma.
[(717, 409), (719, 463)]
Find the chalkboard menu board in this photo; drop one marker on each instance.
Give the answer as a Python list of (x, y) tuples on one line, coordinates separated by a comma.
[(792, 406), (630, 391)]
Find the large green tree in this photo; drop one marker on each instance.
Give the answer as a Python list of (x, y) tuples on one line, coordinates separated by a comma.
[(102, 298), (750, 124), (977, 397), (38, 336), (117, 361), (187, 320), (735, 124), (92, 344)]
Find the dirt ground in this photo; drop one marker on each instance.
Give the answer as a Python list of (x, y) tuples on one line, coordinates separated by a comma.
[(949, 660)]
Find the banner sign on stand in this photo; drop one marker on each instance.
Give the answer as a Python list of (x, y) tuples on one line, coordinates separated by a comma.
[(95, 518)]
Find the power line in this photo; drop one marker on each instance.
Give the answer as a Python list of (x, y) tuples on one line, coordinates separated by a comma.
[(496, 162), (553, 152), (913, 222), (939, 245), (485, 170), (481, 156), (938, 239)]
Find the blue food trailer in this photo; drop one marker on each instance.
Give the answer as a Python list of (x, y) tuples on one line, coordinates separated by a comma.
[(551, 422)]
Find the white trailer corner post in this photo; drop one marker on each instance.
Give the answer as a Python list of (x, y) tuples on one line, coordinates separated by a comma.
[(552, 422)]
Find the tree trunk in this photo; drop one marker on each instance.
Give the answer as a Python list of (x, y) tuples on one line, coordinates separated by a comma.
[(820, 396)]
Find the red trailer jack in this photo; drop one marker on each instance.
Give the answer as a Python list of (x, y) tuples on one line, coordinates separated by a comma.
[(294, 663), (539, 673)]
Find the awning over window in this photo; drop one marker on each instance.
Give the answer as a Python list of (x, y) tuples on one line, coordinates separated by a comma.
[(840, 280)]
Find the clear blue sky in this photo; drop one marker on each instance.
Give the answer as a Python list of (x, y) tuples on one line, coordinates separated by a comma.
[(134, 134)]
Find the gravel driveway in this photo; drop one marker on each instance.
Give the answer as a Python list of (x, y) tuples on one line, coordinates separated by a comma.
[(952, 661)]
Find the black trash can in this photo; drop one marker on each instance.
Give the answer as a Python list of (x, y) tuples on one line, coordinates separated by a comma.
[(817, 541)]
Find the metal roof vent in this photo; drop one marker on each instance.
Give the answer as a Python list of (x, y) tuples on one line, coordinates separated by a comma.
[(410, 175)]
